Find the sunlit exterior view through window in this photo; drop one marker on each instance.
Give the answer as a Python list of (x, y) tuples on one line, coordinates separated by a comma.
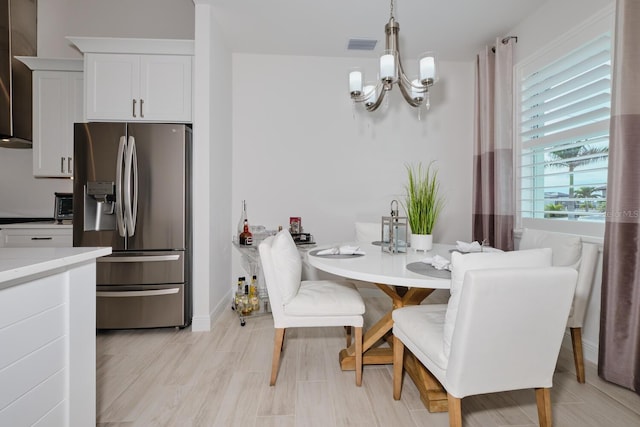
[(564, 136)]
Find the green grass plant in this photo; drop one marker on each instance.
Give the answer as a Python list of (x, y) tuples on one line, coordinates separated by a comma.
[(423, 202)]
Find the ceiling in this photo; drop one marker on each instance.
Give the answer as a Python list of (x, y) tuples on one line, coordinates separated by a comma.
[(455, 29)]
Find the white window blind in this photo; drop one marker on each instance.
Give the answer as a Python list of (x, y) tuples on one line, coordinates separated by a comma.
[(564, 135)]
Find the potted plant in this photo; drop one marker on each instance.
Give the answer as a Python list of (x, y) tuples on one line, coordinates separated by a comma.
[(423, 204)]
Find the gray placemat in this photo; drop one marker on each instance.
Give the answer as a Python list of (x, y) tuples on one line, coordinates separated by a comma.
[(428, 270), (333, 256)]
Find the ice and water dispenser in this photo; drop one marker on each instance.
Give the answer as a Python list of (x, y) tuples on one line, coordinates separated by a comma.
[(99, 206)]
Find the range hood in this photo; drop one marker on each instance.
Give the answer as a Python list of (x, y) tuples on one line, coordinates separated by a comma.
[(18, 23)]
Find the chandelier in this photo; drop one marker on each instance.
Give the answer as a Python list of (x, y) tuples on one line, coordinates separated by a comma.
[(414, 91)]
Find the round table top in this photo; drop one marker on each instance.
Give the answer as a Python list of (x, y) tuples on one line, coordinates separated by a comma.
[(377, 266)]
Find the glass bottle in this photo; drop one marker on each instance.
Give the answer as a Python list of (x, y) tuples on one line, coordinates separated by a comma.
[(254, 300), (243, 218), (246, 309), (246, 238), (239, 293)]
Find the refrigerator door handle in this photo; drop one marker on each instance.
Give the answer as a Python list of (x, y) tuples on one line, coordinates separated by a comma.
[(131, 186), (129, 294), (119, 199), (134, 208), (143, 258)]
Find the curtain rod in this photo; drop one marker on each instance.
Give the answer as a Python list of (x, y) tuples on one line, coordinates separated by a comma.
[(505, 41)]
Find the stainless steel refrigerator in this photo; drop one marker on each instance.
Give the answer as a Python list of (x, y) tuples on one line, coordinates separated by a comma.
[(131, 191)]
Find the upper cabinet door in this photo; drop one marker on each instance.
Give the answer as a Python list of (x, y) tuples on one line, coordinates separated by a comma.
[(165, 88), (57, 97), (132, 87), (112, 86)]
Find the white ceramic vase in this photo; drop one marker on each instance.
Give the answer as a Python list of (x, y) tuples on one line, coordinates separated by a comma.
[(421, 242)]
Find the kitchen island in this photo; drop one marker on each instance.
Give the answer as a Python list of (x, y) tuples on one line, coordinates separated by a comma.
[(47, 336)]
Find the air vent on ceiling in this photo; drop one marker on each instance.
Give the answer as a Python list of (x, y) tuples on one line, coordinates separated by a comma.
[(362, 44)]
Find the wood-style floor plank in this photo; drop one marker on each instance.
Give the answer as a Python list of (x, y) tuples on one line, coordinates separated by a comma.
[(171, 377)]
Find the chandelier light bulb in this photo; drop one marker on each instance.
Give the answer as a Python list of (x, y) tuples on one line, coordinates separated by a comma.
[(417, 90), (355, 83), (427, 69), (370, 95), (388, 67)]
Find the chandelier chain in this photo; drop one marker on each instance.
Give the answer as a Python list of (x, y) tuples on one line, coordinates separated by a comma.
[(391, 10)]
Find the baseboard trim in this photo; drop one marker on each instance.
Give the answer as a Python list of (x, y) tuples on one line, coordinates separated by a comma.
[(204, 323), (201, 324)]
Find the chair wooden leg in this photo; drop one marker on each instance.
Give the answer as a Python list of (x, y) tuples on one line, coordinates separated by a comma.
[(543, 399), (455, 411), (398, 365), (578, 357), (358, 356), (277, 349), (348, 331)]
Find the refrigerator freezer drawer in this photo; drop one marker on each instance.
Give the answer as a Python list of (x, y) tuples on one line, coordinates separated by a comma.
[(141, 268), (125, 307)]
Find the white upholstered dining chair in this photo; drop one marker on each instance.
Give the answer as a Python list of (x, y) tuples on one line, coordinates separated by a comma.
[(368, 232), (310, 303), (500, 331), (571, 251)]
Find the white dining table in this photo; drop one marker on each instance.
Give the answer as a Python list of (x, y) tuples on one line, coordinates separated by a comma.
[(405, 287)]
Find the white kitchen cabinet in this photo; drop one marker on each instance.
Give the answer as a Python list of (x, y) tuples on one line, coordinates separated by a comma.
[(57, 97), (48, 336), (133, 87), (36, 237), (57, 104)]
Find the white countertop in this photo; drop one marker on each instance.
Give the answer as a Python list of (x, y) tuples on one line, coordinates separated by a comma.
[(19, 263), (38, 224)]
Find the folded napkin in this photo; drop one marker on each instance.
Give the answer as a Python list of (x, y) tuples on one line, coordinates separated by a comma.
[(342, 250), (438, 262), (468, 247), (474, 247)]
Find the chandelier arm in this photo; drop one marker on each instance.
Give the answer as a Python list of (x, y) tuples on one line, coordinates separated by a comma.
[(404, 82), (407, 96), (363, 97), (375, 105)]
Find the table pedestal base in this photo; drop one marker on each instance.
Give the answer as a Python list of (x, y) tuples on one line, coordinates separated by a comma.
[(432, 393)]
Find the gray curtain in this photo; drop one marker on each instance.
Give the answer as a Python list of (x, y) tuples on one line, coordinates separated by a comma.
[(619, 350), (493, 200)]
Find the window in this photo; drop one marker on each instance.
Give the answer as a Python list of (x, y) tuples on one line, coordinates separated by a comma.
[(563, 117)]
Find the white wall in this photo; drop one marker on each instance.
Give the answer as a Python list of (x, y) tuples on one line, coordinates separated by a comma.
[(212, 171), (299, 151), (162, 19), (22, 195), (550, 23)]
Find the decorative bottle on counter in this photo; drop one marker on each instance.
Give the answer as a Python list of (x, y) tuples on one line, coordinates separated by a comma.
[(246, 238), (243, 218)]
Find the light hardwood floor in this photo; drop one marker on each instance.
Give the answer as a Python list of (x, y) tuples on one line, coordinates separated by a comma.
[(169, 377)]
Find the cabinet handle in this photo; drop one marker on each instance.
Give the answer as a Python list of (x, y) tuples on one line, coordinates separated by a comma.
[(42, 238), (141, 103), (134, 108), (61, 164), (69, 165)]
